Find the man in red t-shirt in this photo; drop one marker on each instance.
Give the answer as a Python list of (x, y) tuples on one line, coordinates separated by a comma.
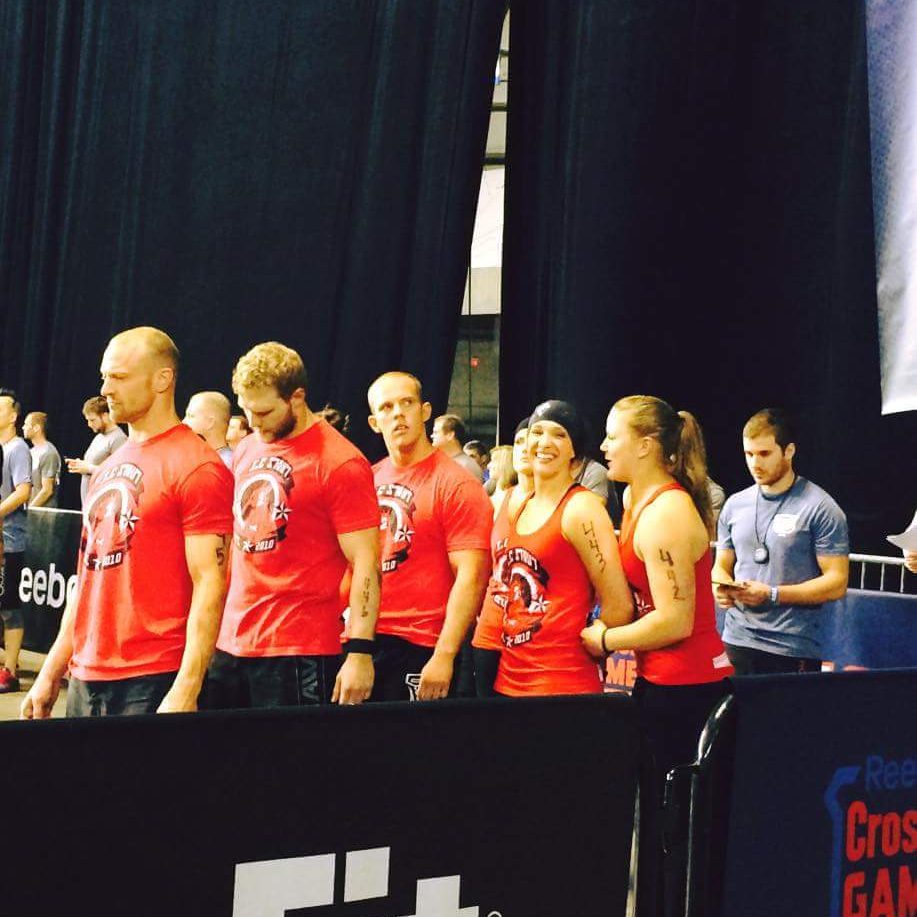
[(305, 520), (436, 521), (139, 629)]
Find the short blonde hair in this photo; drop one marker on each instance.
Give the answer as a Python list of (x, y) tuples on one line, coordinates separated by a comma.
[(393, 374), (270, 363)]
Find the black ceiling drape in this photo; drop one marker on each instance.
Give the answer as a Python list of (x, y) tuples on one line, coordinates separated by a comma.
[(234, 172), (688, 214)]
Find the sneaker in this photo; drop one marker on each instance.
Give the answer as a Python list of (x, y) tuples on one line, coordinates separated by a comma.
[(9, 683)]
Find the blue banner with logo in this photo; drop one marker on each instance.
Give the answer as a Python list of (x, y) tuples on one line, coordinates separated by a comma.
[(823, 817)]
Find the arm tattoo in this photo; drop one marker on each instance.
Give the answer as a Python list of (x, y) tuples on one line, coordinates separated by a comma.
[(676, 592), (589, 532), (364, 596), (221, 551), (666, 557)]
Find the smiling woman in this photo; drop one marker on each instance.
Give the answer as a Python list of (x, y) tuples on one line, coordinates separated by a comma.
[(553, 557)]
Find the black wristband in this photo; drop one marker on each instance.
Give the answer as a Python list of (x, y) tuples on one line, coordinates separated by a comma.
[(604, 648), (359, 645)]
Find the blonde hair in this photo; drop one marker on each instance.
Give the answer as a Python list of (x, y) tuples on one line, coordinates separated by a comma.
[(501, 457), (681, 442), (270, 364)]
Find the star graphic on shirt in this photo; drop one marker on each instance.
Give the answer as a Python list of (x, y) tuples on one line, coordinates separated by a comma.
[(539, 606), (282, 513), (404, 534), (127, 520), (247, 546)]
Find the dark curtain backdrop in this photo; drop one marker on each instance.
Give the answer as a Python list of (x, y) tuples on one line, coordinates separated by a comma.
[(688, 214), (233, 172)]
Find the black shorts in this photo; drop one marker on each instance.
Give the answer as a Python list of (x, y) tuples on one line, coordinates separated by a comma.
[(124, 697), (398, 664), (747, 661), (243, 682), (10, 605)]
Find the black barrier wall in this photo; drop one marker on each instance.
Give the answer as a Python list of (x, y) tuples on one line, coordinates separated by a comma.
[(49, 572), (823, 802), (519, 809)]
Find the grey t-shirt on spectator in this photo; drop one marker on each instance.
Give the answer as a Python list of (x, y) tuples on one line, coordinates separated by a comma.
[(45, 464), (102, 446), (470, 465), (17, 469), (801, 524)]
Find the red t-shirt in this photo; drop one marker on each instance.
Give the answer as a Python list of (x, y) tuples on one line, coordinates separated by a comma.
[(134, 589), (428, 510), (293, 498), (700, 657), (488, 633), (546, 598)]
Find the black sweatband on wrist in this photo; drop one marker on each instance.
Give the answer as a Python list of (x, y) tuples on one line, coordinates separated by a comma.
[(359, 645), (604, 648)]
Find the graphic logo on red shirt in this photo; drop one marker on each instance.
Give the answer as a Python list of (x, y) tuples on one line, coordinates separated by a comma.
[(397, 505), (110, 516), (644, 605), (261, 506), (523, 581)]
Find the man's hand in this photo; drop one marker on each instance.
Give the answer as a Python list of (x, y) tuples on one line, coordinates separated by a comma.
[(179, 699), (39, 702), (592, 638), (752, 593), (724, 595), (435, 677), (78, 466), (355, 680), (910, 560)]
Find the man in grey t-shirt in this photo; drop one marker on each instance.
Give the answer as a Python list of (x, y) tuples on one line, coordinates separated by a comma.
[(46, 463), (782, 551), (15, 489), (449, 437), (108, 438)]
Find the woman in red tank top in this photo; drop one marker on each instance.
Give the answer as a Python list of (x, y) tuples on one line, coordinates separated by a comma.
[(553, 556), (665, 549)]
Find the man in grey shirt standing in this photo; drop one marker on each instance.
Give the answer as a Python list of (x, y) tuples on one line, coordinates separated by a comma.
[(46, 462), (108, 438), (781, 553), (15, 490), (449, 437)]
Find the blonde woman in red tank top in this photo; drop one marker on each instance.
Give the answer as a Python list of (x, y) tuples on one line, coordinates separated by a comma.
[(665, 549), (559, 553)]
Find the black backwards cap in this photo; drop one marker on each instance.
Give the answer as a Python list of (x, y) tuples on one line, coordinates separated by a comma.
[(522, 425), (565, 414)]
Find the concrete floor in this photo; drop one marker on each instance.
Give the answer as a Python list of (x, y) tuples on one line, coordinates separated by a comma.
[(29, 664)]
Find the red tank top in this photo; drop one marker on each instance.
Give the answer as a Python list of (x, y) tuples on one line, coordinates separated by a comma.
[(546, 597), (488, 633), (700, 657)]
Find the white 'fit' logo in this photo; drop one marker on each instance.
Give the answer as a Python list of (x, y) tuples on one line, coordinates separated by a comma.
[(268, 888)]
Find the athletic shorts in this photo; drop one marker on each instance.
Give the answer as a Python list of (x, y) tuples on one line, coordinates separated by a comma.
[(398, 664), (124, 697), (243, 682)]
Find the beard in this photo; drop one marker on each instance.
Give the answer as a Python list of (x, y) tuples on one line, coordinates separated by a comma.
[(284, 428)]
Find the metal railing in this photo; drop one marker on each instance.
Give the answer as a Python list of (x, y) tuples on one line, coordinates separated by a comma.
[(872, 569)]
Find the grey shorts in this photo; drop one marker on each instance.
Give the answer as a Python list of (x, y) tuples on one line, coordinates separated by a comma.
[(10, 573)]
